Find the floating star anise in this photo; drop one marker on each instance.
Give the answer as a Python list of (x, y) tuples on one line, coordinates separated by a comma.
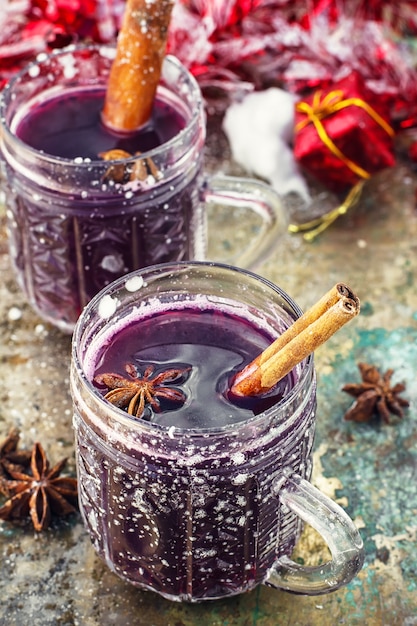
[(40, 492), (136, 392), (375, 396), (11, 458), (140, 169)]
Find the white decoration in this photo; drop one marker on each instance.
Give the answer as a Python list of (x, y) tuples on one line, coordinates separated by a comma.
[(260, 131), (134, 283), (107, 306)]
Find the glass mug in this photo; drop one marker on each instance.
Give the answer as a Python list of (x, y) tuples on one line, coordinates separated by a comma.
[(76, 224), (197, 513)]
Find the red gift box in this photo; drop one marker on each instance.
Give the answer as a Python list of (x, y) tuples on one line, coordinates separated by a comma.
[(342, 134)]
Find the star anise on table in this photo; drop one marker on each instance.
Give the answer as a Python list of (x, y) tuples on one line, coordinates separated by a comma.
[(375, 396), (11, 458), (137, 392), (39, 491)]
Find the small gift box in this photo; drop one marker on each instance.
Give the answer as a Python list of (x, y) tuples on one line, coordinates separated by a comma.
[(342, 134)]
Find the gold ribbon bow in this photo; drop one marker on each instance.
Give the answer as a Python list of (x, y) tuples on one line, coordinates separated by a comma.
[(319, 109), (331, 103)]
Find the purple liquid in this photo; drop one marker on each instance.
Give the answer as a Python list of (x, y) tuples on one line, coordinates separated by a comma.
[(70, 126), (67, 247), (214, 345), (191, 516)]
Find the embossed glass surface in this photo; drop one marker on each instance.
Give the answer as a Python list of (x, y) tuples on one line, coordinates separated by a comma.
[(74, 227), (195, 513)]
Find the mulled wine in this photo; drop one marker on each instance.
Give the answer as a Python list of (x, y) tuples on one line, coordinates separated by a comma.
[(81, 211), (70, 126), (80, 215), (223, 515), (209, 347), (193, 494), (96, 237)]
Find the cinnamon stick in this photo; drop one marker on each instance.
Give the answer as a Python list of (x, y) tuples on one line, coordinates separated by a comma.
[(337, 307), (136, 69)]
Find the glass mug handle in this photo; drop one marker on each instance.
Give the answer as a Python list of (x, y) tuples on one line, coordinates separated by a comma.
[(262, 199), (336, 528)]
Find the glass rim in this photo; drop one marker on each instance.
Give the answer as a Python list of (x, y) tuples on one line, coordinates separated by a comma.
[(6, 95), (307, 365)]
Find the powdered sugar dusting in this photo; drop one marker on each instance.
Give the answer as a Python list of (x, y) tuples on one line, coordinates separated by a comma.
[(107, 306), (134, 284)]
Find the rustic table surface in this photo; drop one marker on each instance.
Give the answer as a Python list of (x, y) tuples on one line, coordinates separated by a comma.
[(370, 469)]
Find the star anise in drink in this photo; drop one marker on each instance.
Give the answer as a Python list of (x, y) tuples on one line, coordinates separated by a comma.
[(11, 458), (375, 396), (120, 172), (39, 492), (138, 391)]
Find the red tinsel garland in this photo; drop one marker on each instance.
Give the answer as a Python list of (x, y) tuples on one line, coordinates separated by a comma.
[(237, 43), (241, 45), (28, 27), (299, 45)]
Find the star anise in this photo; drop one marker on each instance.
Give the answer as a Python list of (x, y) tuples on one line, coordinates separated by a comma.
[(375, 396), (120, 173), (11, 458), (137, 392), (40, 492)]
